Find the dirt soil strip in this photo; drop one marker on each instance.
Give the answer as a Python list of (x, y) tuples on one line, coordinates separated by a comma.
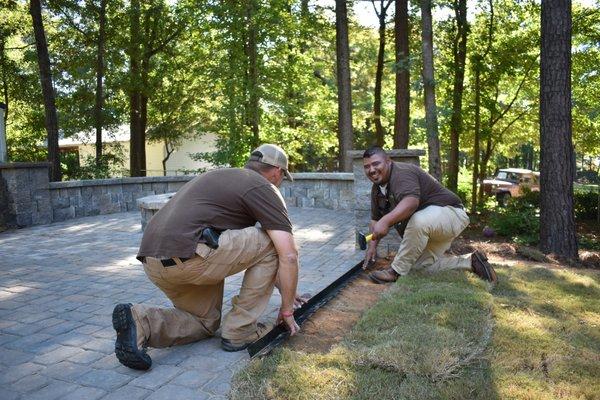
[(329, 324), (276, 335)]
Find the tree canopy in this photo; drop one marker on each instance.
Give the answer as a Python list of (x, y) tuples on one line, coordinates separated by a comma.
[(253, 72)]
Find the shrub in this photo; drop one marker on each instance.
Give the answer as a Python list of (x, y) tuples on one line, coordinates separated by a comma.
[(519, 220), (90, 170), (586, 205)]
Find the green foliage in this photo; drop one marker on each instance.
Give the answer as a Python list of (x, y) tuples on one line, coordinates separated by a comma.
[(109, 164), (588, 242), (464, 185), (199, 83), (519, 220), (586, 204)]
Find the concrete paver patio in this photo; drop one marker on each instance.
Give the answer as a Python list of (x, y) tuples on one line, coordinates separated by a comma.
[(60, 282)]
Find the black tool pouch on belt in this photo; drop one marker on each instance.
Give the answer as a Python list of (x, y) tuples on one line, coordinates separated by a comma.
[(211, 237)]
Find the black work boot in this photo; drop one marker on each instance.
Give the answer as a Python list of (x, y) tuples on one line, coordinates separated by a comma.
[(126, 345)]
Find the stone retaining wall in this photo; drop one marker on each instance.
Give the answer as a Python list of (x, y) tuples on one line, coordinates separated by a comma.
[(28, 198), (308, 190), (24, 195), (74, 199)]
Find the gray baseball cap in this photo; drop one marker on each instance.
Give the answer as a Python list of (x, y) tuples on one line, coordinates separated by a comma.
[(273, 155)]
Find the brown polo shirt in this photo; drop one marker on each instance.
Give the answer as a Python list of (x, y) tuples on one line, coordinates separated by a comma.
[(229, 198), (410, 180)]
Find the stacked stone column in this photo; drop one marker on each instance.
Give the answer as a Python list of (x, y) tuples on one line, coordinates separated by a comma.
[(362, 196), (24, 195)]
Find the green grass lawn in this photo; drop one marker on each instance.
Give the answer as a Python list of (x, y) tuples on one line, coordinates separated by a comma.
[(451, 336)]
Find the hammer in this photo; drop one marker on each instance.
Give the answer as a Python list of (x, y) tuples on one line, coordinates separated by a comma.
[(363, 239)]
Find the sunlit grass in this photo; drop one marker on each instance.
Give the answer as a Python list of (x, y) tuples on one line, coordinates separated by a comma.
[(424, 339), (547, 339), (450, 336)]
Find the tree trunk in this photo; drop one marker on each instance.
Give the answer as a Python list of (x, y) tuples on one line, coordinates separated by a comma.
[(557, 220), (143, 125), (169, 148), (136, 145), (4, 80), (479, 168), (51, 120), (459, 52), (379, 131), (99, 105), (433, 141), (402, 111), (476, 139), (35, 10), (144, 73), (304, 17), (345, 134), (252, 111)]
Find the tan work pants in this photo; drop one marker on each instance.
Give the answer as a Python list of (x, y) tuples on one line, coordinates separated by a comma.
[(196, 289), (428, 235)]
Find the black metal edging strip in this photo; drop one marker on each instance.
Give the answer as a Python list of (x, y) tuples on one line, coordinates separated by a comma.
[(276, 335)]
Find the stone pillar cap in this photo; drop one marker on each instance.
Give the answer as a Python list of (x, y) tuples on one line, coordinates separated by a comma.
[(392, 153), (15, 165)]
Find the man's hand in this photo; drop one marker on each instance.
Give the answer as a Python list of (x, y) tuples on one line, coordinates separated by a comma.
[(380, 229), (370, 254), (288, 318)]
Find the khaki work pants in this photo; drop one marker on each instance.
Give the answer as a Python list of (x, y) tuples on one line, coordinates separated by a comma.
[(428, 235), (196, 289)]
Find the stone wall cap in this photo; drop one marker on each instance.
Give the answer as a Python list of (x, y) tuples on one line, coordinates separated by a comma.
[(154, 202), (15, 165), (325, 176), (392, 153), (120, 181)]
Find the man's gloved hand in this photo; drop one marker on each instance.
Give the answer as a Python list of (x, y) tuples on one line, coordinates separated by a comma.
[(288, 318)]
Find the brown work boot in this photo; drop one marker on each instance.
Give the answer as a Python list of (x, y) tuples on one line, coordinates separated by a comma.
[(482, 268), (384, 276), (237, 345)]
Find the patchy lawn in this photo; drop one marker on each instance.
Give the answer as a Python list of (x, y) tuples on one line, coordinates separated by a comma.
[(451, 336), (547, 336)]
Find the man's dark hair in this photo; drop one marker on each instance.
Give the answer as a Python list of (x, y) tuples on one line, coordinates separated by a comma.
[(371, 151), (258, 166)]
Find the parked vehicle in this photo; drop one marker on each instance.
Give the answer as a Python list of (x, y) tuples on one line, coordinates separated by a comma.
[(510, 182)]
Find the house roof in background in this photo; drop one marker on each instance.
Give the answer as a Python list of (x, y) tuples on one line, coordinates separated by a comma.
[(111, 135)]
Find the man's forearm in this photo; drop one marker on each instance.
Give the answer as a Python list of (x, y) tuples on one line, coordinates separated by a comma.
[(402, 211), (288, 282)]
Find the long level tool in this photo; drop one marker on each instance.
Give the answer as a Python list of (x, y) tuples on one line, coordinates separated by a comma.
[(275, 336)]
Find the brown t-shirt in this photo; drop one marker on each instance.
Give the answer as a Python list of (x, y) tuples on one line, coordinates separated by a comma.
[(222, 199), (410, 180)]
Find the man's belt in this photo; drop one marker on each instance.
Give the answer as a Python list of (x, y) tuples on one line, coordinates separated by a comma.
[(169, 262)]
